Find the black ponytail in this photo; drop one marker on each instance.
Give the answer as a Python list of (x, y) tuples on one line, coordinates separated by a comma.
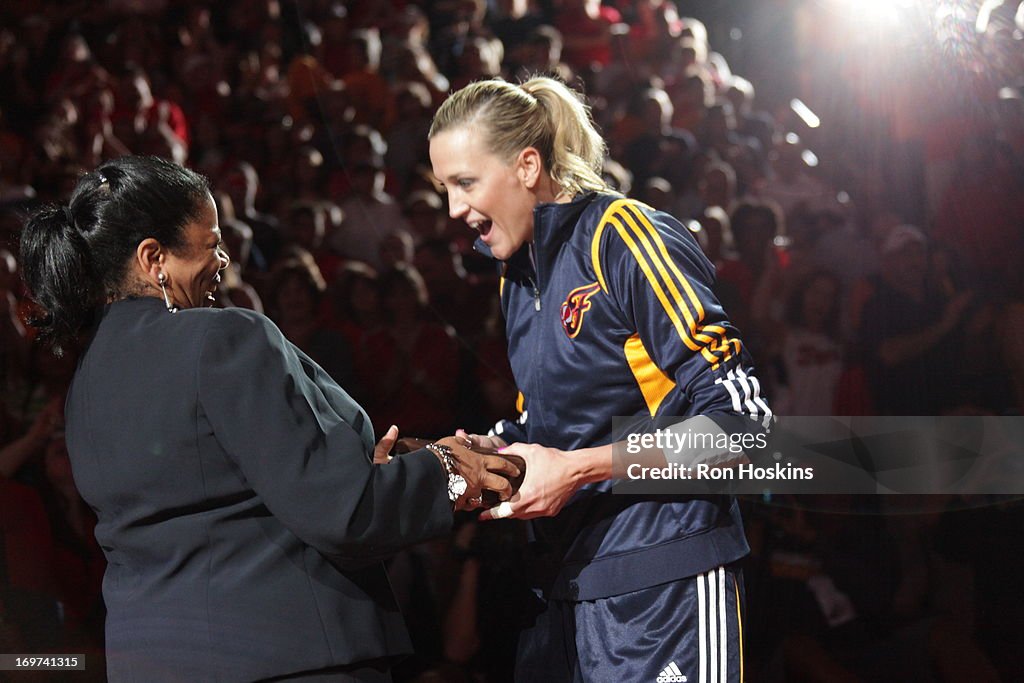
[(76, 257), (58, 272)]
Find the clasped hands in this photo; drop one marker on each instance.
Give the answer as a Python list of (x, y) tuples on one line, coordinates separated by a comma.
[(517, 481), (491, 478)]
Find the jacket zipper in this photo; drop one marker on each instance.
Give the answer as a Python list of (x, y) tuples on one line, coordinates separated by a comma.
[(533, 281)]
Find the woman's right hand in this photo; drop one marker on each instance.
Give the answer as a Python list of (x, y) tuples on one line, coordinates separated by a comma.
[(490, 472), (480, 442)]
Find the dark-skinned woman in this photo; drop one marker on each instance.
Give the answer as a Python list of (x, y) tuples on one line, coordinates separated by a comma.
[(243, 508)]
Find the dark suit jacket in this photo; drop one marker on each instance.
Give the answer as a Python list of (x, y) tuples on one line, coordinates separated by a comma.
[(238, 508)]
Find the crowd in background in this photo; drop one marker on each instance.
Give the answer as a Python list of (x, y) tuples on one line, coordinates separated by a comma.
[(869, 248)]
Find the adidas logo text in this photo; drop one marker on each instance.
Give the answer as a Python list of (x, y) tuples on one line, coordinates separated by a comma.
[(671, 674)]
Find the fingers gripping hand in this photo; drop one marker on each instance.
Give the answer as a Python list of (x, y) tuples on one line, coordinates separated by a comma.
[(481, 442), (551, 479), (481, 472)]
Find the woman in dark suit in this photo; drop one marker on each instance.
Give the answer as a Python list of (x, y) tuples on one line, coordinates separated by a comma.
[(242, 508)]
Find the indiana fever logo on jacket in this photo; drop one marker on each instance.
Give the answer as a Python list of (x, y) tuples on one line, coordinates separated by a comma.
[(610, 311), (575, 305)]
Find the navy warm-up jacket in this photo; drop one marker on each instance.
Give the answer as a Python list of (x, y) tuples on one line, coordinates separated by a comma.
[(610, 312)]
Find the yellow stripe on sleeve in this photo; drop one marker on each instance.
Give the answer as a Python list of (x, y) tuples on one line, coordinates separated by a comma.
[(595, 243), (710, 344), (655, 284), (666, 278), (711, 341), (654, 384), (696, 329)]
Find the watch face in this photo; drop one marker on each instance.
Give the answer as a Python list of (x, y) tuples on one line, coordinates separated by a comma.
[(457, 485)]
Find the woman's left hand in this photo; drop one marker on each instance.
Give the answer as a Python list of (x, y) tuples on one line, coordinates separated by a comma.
[(552, 477), (384, 446)]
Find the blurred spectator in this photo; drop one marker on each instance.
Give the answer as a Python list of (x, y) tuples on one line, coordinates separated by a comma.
[(909, 329), (754, 229), (407, 139), (718, 134), (306, 76), (307, 177), (455, 298), (76, 73), (982, 215), (370, 212), (297, 288), (810, 354), (305, 228), (657, 193), (410, 365), (586, 27), (396, 248), (541, 53), (690, 95), (656, 148), (98, 139), (43, 380), (241, 183), (715, 235), (750, 122), (334, 49), (715, 187), (479, 59), (831, 579), (414, 64), (653, 30), (618, 177), (464, 23), (260, 74), (367, 90), (11, 187), (1010, 122), (425, 213), (143, 123), (515, 24), (354, 302)]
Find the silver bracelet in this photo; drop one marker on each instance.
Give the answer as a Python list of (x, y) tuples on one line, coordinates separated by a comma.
[(456, 482)]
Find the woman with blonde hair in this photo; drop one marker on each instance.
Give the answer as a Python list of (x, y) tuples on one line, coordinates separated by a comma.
[(609, 312)]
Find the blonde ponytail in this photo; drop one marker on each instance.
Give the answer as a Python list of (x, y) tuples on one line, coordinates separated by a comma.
[(541, 113)]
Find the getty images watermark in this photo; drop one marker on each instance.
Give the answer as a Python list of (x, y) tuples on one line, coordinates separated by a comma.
[(853, 455), (680, 444)]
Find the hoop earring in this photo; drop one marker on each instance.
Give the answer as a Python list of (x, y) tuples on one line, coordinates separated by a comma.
[(162, 279)]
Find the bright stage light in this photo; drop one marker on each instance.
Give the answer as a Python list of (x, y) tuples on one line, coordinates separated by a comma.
[(805, 113), (881, 12), (985, 14), (873, 12)]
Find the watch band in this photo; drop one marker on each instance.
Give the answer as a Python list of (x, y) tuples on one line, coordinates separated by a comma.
[(456, 482)]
